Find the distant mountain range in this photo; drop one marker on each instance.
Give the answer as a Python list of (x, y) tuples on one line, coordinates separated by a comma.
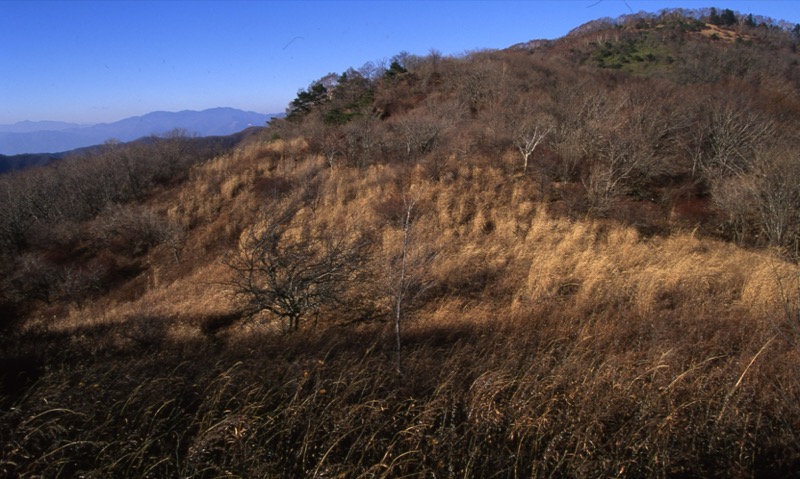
[(55, 136)]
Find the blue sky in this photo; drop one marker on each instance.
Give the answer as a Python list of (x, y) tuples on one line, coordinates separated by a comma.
[(100, 61)]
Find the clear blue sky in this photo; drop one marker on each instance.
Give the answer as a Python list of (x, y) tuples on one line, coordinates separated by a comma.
[(90, 62)]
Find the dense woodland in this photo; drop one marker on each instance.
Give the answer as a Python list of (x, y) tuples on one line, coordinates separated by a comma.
[(569, 258)]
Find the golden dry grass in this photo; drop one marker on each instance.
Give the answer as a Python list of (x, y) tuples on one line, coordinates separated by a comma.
[(493, 243), (544, 346)]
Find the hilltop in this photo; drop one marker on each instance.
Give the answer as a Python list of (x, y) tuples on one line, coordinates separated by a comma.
[(568, 258)]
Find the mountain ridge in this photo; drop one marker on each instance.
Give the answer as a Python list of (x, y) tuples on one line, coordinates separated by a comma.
[(24, 138), (27, 126)]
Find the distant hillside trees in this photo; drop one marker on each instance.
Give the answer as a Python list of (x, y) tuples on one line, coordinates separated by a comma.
[(608, 136), (69, 229), (79, 188), (306, 100), (727, 18)]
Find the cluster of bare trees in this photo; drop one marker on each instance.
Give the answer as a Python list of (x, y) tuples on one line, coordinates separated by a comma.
[(753, 171), (79, 188), (702, 116), (68, 229)]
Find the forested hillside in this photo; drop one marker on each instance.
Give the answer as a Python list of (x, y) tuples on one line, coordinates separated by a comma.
[(569, 258)]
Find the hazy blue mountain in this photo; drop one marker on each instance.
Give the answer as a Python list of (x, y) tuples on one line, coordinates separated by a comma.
[(24, 137), (29, 126)]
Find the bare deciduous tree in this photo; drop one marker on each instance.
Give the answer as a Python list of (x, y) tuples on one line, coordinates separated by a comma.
[(362, 139), (618, 164), (480, 82), (530, 130), (777, 196), (403, 284), (132, 229), (422, 129), (16, 216), (729, 141), (295, 270), (628, 150), (408, 265), (734, 197), (766, 200), (324, 138)]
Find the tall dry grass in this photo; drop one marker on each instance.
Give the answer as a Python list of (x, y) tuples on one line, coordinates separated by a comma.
[(543, 346)]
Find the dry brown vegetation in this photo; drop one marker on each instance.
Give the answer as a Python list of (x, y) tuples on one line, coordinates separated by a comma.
[(581, 312)]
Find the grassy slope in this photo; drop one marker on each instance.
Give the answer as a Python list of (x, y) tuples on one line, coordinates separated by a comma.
[(546, 346)]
